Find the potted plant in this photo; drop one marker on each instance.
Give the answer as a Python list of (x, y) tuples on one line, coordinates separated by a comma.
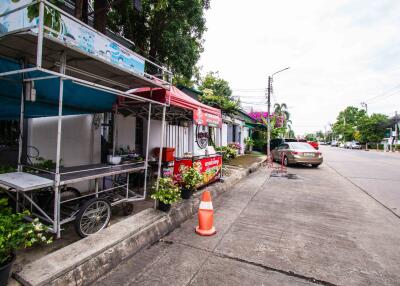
[(235, 146), (249, 144), (191, 179), (167, 193), (16, 233)]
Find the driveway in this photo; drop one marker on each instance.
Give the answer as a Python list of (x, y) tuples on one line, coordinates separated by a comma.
[(316, 228)]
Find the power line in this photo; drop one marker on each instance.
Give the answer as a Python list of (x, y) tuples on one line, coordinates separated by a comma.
[(388, 95), (250, 89), (383, 94)]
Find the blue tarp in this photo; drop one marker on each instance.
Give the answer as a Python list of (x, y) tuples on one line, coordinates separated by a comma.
[(78, 99)]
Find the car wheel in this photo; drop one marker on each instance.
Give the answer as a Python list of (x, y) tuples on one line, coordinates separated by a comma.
[(285, 161), (315, 165)]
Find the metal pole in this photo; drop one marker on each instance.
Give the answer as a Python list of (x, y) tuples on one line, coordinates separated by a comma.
[(39, 51), (146, 163), (115, 129), (344, 130), (161, 147), (21, 127), (395, 129), (268, 117), (56, 223)]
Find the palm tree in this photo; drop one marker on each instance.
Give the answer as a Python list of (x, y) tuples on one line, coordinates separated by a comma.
[(282, 110)]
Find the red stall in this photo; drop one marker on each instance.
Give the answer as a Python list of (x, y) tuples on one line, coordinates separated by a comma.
[(201, 121)]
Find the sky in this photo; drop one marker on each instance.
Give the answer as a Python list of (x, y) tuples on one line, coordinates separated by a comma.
[(340, 53)]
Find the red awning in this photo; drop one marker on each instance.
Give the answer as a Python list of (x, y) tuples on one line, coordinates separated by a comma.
[(202, 113)]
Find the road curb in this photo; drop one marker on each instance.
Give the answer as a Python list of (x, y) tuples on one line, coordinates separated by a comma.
[(86, 260)]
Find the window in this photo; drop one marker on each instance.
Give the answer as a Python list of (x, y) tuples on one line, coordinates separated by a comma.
[(283, 147)]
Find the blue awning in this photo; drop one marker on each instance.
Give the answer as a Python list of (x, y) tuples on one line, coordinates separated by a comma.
[(77, 99)]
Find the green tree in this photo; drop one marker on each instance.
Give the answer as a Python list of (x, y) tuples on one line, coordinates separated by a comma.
[(166, 31), (217, 93), (320, 135), (347, 122), (282, 110), (372, 128)]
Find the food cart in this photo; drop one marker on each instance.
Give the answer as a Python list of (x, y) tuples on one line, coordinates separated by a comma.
[(52, 64), (199, 120)]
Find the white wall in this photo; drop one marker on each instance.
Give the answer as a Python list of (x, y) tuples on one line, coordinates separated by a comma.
[(224, 139), (155, 133), (126, 131), (242, 136), (80, 141), (178, 137)]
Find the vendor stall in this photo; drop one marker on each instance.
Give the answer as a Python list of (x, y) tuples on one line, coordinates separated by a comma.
[(190, 133), (56, 66)]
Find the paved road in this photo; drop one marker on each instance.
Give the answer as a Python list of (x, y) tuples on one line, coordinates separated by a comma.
[(376, 173), (316, 228)]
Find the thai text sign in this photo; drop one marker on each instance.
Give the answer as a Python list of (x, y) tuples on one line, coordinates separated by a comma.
[(206, 119)]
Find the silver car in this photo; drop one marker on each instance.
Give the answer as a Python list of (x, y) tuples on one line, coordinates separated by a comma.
[(297, 153), (355, 145)]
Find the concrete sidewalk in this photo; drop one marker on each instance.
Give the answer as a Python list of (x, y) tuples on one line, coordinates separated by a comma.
[(316, 228)]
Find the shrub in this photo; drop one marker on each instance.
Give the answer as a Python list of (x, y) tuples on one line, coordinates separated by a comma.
[(227, 152), (16, 233), (167, 192), (191, 179), (248, 141), (235, 146)]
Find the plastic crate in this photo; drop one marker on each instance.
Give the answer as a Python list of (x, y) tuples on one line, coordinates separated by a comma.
[(167, 154)]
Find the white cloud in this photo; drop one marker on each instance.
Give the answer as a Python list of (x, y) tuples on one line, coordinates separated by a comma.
[(340, 53)]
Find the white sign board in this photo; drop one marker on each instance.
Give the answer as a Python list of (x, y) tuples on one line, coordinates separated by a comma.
[(71, 32)]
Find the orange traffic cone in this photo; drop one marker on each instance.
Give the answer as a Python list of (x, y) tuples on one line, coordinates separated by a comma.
[(206, 215)]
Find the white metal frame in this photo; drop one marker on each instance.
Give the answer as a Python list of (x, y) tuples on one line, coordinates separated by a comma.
[(56, 221)]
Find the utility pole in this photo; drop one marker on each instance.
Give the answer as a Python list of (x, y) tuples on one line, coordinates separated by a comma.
[(365, 105), (269, 91), (268, 116), (396, 129), (344, 129)]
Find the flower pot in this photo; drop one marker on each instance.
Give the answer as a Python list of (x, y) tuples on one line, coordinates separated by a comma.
[(164, 207), (186, 193), (5, 271)]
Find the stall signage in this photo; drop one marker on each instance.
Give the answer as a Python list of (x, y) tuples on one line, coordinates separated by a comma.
[(210, 167), (202, 136), (206, 119)]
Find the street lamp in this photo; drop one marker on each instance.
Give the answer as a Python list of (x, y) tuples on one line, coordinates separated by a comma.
[(269, 90)]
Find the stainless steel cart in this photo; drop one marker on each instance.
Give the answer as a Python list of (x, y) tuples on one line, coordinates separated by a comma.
[(36, 52), (91, 212)]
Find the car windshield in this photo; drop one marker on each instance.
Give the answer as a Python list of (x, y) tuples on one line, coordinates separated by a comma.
[(301, 146)]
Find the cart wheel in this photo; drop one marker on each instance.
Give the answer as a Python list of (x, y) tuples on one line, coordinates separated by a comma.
[(127, 208), (92, 217)]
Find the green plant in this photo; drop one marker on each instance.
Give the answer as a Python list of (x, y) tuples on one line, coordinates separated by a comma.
[(44, 164), (167, 192), (191, 179), (248, 141), (6, 169), (227, 152), (16, 233)]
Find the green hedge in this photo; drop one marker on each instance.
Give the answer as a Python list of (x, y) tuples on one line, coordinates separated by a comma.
[(380, 146)]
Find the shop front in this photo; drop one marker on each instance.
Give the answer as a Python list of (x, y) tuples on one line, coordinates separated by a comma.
[(188, 136)]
